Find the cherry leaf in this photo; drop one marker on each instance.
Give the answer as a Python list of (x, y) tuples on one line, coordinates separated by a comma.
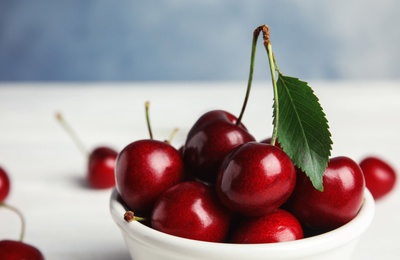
[(303, 130)]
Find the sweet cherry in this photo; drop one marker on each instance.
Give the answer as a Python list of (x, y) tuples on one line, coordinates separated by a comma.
[(16, 250), (339, 202), (278, 226), (100, 162), (255, 179), (4, 185), (144, 170), (380, 177), (191, 210), (213, 135)]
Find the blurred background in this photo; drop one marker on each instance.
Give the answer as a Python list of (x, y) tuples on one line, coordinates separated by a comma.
[(131, 40)]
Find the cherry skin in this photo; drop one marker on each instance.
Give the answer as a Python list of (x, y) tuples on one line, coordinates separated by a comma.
[(213, 135), (255, 179), (278, 226), (101, 166), (380, 177), (4, 185), (191, 210), (340, 201), (15, 250), (144, 170)]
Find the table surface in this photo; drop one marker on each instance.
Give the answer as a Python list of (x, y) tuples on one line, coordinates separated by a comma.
[(68, 220)]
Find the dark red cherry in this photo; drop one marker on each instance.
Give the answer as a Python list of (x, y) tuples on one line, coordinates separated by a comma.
[(4, 185), (255, 179), (16, 250), (213, 135), (191, 210), (380, 177), (340, 201), (101, 165), (278, 226), (144, 170)]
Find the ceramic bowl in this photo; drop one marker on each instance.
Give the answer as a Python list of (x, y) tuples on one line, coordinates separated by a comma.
[(145, 243)]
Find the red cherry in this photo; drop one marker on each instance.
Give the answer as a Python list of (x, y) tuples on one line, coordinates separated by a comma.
[(191, 210), (101, 165), (255, 179), (16, 250), (4, 185), (268, 141), (278, 226), (340, 201), (213, 135), (380, 177), (144, 170)]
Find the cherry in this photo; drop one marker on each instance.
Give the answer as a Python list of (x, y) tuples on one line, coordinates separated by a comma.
[(380, 177), (15, 250), (191, 210), (145, 169), (340, 201), (101, 167), (4, 185), (278, 226), (101, 161), (213, 135), (268, 141), (255, 179)]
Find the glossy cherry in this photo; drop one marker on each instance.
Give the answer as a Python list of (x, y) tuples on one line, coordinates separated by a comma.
[(380, 177), (4, 185), (144, 170), (255, 179), (278, 226), (213, 135), (340, 201), (191, 210), (17, 250), (101, 166), (100, 162)]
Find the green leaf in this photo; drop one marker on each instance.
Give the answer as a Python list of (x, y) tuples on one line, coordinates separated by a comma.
[(302, 128)]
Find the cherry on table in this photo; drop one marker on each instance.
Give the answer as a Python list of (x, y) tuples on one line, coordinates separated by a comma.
[(191, 210), (4, 185), (337, 204), (255, 179), (380, 177), (100, 161), (18, 250)]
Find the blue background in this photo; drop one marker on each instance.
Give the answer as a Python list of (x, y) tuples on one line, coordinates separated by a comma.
[(130, 40)]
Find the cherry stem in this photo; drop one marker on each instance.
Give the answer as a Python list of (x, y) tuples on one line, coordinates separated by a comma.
[(250, 79), (21, 217), (273, 68), (172, 136), (129, 216), (147, 106), (72, 134)]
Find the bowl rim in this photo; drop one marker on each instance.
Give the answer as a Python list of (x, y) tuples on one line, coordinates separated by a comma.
[(315, 244)]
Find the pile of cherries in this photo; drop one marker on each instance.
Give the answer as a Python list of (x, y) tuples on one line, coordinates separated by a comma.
[(224, 186)]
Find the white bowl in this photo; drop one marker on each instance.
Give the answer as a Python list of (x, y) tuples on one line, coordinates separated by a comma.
[(145, 243)]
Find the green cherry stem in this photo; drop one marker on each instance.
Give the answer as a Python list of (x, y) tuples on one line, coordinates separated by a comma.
[(130, 216), (273, 69), (21, 217), (147, 106), (250, 79)]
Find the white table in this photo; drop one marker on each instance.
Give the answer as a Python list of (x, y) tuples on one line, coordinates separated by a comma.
[(66, 220)]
